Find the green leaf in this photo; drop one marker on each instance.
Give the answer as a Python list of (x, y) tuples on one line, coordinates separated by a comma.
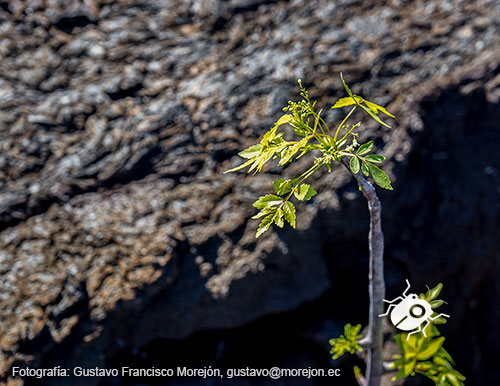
[(454, 379), (347, 101), (408, 367), (379, 176), (250, 152), (354, 164), (268, 137), (290, 151), (239, 167), (375, 158), (263, 213), (430, 348), (436, 304), (289, 212), (375, 108), (347, 342), (433, 293), (365, 148), (346, 86), (264, 225), (374, 116), (284, 119), (261, 159), (282, 186), (304, 192), (267, 201), (352, 332), (440, 320), (364, 168), (399, 341), (278, 218)]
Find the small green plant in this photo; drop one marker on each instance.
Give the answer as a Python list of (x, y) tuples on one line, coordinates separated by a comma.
[(315, 135), (425, 354), (420, 354), (347, 343), (341, 146)]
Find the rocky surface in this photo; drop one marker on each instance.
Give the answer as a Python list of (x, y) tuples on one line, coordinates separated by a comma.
[(121, 237)]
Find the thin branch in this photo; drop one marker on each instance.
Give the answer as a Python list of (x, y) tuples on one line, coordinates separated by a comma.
[(361, 380), (374, 369)]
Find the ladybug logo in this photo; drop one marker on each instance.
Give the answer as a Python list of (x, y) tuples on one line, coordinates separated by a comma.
[(410, 313)]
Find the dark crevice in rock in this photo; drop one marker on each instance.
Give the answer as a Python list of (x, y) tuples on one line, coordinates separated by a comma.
[(68, 23), (125, 93)]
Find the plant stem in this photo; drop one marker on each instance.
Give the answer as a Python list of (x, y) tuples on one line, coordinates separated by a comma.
[(374, 339), (342, 123)]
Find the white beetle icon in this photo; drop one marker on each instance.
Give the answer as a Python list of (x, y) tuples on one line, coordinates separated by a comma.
[(410, 313)]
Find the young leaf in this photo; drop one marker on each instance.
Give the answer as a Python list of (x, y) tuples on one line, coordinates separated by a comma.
[(364, 168), (430, 348), (347, 101), (284, 119), (434, 293), (365, 148), (408, 367), (289, 212), (379, 176), (239, 167), (375, 158), (290, 151), (436, 304), (375, 108), (346, 86), (354, 164), (267, 201), (264, 225), (304, 192), (375, 116), (278, 218), (347, 342), (261, 159), (250, 152), (263, 212), (282, 186)]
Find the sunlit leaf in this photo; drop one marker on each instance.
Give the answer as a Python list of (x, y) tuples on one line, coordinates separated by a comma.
[(239, 167), (264, 225), (278, 218), (289, 212), (267, 201), (250, 152), (290, 151), (282, 186), (376, 108), (304, 192), (430, 348), (374, 116), (347, 101)]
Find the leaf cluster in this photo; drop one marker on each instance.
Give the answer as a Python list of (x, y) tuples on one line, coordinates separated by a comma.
[(425, 354), (347, 342), (314, 135)]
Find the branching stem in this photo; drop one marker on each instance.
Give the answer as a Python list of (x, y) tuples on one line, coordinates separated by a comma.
[(342, 123)]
